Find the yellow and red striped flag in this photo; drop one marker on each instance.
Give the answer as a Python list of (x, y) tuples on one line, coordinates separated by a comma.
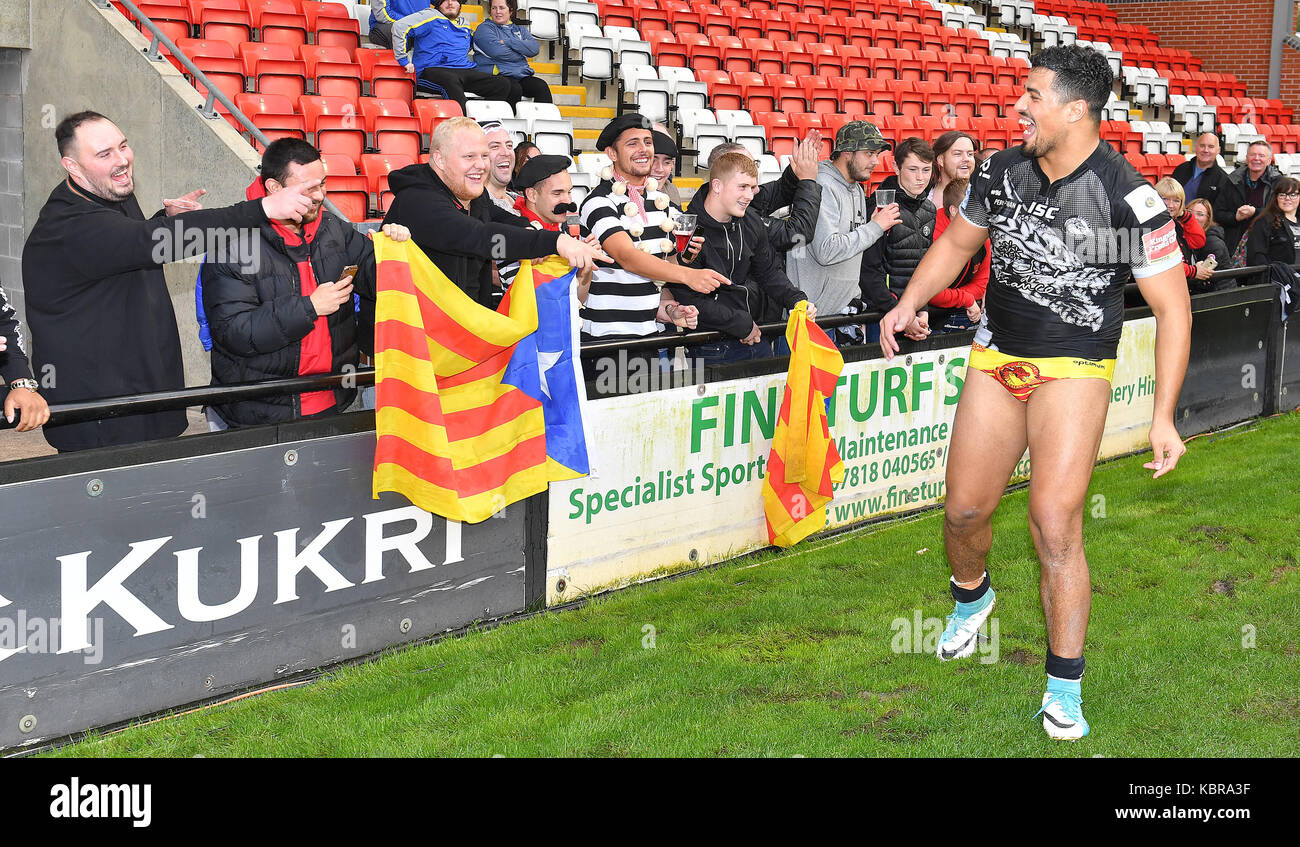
[(451, 436), (804, 463)]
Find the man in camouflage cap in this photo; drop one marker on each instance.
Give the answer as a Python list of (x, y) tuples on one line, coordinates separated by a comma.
[(828, 269), (859, 135)]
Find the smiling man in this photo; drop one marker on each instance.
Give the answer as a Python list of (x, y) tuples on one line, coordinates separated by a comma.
[(736, 246), (451, 219), (501, 165), (100, 314), (1070, 221)]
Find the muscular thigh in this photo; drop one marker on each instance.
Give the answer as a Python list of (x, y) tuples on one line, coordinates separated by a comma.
[(988, 439), (1066, 418)]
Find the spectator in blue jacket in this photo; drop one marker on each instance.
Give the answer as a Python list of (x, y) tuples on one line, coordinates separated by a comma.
[(385, 13), (501, 43), (433, 46)]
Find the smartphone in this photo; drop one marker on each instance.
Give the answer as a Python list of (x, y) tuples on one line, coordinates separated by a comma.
[(350, 270)]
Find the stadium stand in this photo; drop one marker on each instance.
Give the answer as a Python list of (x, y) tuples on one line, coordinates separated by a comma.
[(760, 73)]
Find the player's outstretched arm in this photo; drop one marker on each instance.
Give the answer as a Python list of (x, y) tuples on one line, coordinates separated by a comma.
[(940, 266), (1166, 294)]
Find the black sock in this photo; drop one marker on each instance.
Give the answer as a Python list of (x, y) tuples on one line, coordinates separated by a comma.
[(970, 595), (1071, 669)]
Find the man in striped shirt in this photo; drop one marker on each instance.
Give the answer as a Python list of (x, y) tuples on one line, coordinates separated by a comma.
[(633, 222)]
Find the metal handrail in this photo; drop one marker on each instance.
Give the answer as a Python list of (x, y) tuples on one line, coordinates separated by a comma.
[(135, 404), (208, 109)]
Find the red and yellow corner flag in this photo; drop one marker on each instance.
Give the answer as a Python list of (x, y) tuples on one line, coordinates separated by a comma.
[(804, 463), (451, 436)]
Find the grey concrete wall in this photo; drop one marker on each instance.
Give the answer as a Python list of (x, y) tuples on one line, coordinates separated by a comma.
[(87, 58), (16, 23), (12, 65)]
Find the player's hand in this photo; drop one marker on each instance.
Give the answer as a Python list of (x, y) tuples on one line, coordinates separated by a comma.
[(327, 298), (806, 156), (1167, 448), (755, 336), (974, 313), (290, 203), (32, 409), (887, 216), (579, 253), (895, 320), (703, 280), (188, 203), (397, 232)]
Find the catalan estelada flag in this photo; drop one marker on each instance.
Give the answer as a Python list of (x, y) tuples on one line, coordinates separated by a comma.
[(468, 400), (804, 463)]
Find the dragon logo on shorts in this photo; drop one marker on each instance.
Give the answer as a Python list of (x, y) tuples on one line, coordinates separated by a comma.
[(1020, 378), (1032, 259)]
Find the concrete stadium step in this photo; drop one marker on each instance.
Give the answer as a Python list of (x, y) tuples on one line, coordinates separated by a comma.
[(567, 95)]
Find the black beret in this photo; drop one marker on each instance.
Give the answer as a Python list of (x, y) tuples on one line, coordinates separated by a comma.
[(539, 168), (620, 125), (665, 146)]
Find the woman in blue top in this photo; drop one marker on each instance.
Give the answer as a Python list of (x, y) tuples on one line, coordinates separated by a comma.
[(508, 46)]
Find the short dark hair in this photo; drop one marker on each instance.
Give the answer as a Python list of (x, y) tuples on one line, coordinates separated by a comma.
[(1082, 73), (283, 151), (913, 147), (66, 131)]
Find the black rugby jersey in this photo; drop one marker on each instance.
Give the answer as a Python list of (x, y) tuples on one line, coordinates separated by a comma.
[(1063, 251)]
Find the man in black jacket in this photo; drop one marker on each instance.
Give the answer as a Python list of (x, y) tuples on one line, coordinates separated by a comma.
[(100, 314), (888, 264), (291, 312), (1201, 177), (1247, 190), (457, 226), (736, 246), (24, 397)]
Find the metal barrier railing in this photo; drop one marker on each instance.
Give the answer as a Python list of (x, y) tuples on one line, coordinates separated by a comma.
[(134, 404), (215, 94)]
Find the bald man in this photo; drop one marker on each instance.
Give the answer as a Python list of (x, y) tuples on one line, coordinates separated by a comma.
[(454, 222), (1201, 177)]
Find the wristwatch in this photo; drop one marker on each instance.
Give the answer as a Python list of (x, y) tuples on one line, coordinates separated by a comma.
[(29, 384)]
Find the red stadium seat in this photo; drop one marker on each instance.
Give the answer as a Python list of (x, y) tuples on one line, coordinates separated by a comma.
[(337, 166), (797, 61), (336, 125), (818, 94), (376, 167), (386, 78), (225, 73), (745, 23), (430, 113), (350, 194), (789, 94), (774, 25), (215, 48), (332, 71), (333, 26), (225, 24), (704, 57), (174, 23)]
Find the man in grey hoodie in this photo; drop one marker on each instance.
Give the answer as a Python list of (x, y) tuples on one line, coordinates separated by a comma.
[(829, 267)]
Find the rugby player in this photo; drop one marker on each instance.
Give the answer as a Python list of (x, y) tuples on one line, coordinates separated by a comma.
[(1070, 220)]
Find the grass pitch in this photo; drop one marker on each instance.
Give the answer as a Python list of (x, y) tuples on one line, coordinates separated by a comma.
[(1192, 648)]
